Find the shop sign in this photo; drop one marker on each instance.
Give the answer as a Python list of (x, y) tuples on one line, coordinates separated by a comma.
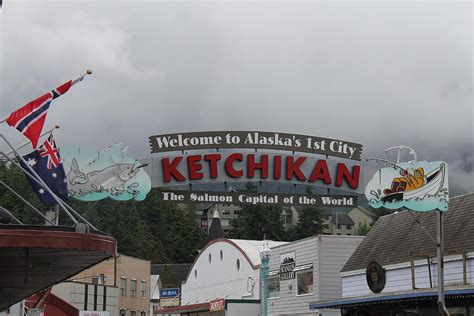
[(254, 140), (167, 293), (287, 266), (217, 305), (418, 186), (168, 302), (375, 275)]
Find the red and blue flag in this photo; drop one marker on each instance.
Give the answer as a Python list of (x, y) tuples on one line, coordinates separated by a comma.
[(29, 119), (47, 163)]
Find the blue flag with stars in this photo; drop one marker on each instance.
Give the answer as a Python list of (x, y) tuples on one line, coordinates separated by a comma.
[(47, 163)]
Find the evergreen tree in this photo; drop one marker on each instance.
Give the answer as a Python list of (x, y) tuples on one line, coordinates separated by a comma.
[(257, 222), (310, 223), (363, 230)]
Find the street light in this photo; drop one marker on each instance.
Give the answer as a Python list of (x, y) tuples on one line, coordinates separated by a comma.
[(265, 256)]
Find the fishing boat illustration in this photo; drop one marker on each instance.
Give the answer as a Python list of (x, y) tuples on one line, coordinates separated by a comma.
[(433, 183)]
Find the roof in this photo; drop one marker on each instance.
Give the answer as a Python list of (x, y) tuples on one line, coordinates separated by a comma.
[(395, 298), (215, 230), (252, 248), (394, 237), (179, 271), (249, 248), (341, 219), (363, 210)]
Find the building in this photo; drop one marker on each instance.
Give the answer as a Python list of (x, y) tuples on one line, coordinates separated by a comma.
[(224, 279), (394, 270), (165, 276), (307, 270), (226, 212), (53, 254), (334, 222), (119, 285)]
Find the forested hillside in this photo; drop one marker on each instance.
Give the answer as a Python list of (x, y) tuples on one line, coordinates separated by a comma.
[(160, 232)]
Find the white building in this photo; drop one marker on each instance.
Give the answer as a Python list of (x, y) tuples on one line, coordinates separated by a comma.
[(224, 278), (394, 270)]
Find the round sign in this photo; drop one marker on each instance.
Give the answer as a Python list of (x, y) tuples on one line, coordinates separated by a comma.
[(375, 275)]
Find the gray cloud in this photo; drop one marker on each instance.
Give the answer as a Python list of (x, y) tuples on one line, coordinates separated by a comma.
[(380, 74)]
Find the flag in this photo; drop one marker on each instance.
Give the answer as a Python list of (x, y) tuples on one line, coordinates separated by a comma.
[(47, 163), (29, 119)]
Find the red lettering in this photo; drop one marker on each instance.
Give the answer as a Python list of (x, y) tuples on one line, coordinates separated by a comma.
[(321, 172), (277, 167), (229, 165), (293, 168), (194, 167), (170, 170), (343, 173), (252, 165), (213, 159)]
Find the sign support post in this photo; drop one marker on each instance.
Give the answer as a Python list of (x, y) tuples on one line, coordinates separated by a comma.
[(265, 257), (440, 249)]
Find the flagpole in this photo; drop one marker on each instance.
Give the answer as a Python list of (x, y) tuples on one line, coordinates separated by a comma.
[(26, 202), (62, 204), (81, 77), (33, 175), (74, 81), (29, 142)]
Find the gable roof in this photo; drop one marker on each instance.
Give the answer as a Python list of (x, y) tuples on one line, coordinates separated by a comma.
[(394, 237), (179, 271), (341, 219)]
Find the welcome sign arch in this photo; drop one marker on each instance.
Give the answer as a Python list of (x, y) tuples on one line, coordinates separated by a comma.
[(184, 162)]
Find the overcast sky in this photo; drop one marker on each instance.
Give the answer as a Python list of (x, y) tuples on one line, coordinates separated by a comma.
[(375, 73)]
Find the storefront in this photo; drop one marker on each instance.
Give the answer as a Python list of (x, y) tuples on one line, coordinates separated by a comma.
[(307, 270), (394, 270)]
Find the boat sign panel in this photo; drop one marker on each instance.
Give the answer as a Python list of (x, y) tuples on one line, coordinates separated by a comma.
[(419, 186)]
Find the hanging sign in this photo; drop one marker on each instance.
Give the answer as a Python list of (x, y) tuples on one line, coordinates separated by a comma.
[(375, 275), (287, 265), (418, 186), (93, 175)]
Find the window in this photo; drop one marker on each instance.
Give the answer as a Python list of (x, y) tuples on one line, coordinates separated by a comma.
[(348, 226), (222, 255), (225, 221), (143, 288), (195, 274), (133, 288), (304, 281), (123, 312), (95, 280), (237, 212), (338, 226), (142, 313), (133, 313), (225, 212), (123, 287), (237, 264), (274, 286), (210, 258)]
